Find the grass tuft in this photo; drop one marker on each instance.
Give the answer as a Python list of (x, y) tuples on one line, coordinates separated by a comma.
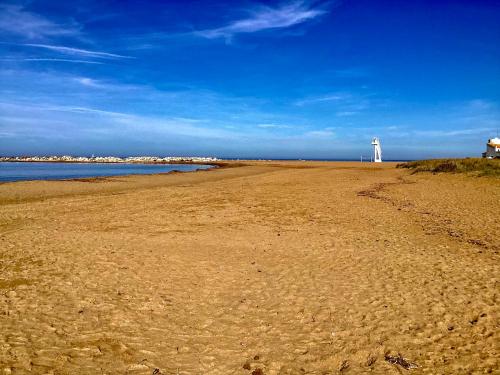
[(473, 166)]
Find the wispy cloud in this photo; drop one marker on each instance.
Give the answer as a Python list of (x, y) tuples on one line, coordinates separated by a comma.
[(85, 81), (354, 72), (346, 113), (16, 20), (59, 108), (322, 133), (454, 132), (78, 51), (92, 83), (54, 60), (273, 126), (265, 18), (84, 110), (112, 121), (342, 104), (336, 97), (480, 105)]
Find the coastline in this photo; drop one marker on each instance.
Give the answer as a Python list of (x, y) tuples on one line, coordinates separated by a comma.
[(277, 266), (33, 190), (98, 178), (109, 159)]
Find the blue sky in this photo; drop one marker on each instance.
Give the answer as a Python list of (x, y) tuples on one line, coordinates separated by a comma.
[(269, 79)]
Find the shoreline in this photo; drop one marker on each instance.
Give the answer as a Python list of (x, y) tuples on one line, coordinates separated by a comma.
[(220, 164), (34, 190), (210, 166)]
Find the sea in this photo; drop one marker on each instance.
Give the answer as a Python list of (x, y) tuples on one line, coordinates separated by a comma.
[(25, 171)]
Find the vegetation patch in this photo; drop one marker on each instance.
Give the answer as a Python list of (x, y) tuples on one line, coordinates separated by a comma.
[(473, 166)]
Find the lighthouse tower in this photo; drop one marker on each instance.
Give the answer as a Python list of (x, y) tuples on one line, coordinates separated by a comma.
[(377, 150)]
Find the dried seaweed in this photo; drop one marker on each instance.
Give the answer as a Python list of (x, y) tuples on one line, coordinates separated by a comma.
[(400, 361), (344, 366)]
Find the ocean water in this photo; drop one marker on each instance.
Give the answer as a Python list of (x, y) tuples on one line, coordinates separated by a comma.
[(12, 171)]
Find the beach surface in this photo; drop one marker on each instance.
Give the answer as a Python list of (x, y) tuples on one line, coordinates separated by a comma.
[(260, 268)]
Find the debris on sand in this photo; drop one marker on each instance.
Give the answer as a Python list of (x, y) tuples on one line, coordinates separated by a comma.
[(344, 366), (370, 360), (399, 360)]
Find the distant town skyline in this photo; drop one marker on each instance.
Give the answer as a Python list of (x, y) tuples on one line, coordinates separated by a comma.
[(261, 79)]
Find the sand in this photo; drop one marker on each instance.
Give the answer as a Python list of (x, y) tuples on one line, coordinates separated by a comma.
[(268, 268)]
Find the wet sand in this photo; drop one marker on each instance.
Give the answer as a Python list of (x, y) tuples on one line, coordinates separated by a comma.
[(268, 268)]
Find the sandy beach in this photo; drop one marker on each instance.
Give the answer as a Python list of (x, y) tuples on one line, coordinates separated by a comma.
[(262, 268)]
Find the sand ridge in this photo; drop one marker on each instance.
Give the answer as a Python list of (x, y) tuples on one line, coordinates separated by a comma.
[(272, 267)]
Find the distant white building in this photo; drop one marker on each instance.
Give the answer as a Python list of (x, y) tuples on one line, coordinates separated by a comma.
[(492, 148)]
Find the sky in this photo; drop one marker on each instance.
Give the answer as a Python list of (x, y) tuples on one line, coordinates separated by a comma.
[(249, 79)]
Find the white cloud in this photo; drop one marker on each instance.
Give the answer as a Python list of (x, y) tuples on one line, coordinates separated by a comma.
[(354, 72), (78, 51), (322, 133), (453, 133), (84, 110), (480, 105), (341, 104), (346, 113), (336, 97), (15, 20), (106, 85), (53, 60), (110, 121), (273, 126), (88, 82), (265, 18)]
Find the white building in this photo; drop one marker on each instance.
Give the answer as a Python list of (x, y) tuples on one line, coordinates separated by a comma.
[(492, 148)]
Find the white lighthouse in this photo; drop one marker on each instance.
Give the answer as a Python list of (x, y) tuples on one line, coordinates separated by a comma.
[(377, 150)]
